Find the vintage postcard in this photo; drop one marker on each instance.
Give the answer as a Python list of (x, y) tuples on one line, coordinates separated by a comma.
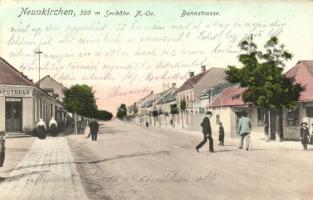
[(156, 100)]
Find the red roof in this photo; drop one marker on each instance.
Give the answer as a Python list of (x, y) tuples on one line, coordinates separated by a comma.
[(303, 74), (214, 72), (11, 76), (191, 81), (231, 96)]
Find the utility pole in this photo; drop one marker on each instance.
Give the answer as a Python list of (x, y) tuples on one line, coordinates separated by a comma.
[(38, 52), (40, 106), (211, 97)]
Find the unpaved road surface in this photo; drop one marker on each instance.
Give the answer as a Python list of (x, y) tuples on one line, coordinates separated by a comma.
[(134, 163)]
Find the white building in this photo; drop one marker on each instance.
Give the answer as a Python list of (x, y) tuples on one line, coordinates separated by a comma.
[(22, 103)]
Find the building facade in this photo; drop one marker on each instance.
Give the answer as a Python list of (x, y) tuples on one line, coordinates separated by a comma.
[(228, 106), (53, 87), (22, 103)]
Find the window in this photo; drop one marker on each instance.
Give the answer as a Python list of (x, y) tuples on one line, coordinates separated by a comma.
[(293, 117), (261, 115), (309, 111)]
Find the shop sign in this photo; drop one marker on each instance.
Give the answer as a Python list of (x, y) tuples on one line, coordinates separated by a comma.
[(13, 99), (16, 92)]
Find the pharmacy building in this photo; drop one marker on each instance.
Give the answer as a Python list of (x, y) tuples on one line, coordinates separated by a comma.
[(23, 103)]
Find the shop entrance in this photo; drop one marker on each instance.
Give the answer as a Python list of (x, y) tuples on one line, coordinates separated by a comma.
[(13, 114)]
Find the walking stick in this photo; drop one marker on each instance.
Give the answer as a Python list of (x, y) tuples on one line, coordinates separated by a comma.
[(250, 141)]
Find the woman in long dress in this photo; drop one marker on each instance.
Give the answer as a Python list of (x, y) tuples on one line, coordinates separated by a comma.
[(41, 125), (53, 125)]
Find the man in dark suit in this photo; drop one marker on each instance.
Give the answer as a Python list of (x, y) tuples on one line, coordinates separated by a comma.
[(94, 128), (207, 132)]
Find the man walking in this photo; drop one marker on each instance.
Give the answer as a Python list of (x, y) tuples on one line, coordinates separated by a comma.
[(207, 132), (244, 129), (94, 128)]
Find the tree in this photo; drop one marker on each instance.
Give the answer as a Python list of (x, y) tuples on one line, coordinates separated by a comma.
[(183, 105), (174, 109), (262, 76), (80, 99), (122, 111), (104, 115), (182, 110)]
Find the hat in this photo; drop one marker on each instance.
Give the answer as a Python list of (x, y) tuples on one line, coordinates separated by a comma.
[(244, 113), (303, 123), (209, 113)]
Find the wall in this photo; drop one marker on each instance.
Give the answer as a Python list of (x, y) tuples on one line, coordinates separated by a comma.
[(225, 117), (2, 113), (293, 132), (27, 114), (48, 83)]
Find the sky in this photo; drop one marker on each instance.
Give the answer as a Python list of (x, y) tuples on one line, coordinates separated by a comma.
[(124, 56)]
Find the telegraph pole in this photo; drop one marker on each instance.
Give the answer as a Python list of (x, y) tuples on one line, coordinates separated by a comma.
[(40, 106), (38, 52)]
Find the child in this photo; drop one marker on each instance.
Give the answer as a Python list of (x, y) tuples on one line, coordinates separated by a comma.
[(221, 134), (2, 147), (304, 134)]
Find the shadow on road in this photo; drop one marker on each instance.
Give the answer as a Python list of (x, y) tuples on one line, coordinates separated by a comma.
[(22, 175), (138, 154), (225, 150)]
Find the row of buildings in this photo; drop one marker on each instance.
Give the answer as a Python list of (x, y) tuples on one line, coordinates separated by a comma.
[(209, 90), (23, 102)]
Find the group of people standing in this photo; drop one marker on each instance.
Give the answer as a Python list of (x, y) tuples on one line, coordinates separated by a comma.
[(244, 129), (42, 128)]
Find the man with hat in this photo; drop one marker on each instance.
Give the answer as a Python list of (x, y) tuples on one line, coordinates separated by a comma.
[(305, 135), (244, 129), (207, 132)]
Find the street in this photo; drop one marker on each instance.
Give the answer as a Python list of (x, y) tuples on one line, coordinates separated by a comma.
[(137, 163), (130, 162)]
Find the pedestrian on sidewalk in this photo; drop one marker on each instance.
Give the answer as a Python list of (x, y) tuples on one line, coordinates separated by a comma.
[(266, 131), (41, 129), (311, 135), (221, 134), (53, 126), (244, 129), (2, 147), (305, 135), (207, 132), (94, 128)]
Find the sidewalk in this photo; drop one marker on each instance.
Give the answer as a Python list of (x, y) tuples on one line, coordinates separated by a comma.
[(46, 172), (257, 142)]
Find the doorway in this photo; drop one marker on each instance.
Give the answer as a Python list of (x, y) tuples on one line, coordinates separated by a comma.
[(13, 114)]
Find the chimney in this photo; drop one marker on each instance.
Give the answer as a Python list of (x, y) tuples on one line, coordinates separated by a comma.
[(191, 74), (203, 68), (173, 85)]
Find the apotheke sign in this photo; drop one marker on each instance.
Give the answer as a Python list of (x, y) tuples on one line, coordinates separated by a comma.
[(16, 92)]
